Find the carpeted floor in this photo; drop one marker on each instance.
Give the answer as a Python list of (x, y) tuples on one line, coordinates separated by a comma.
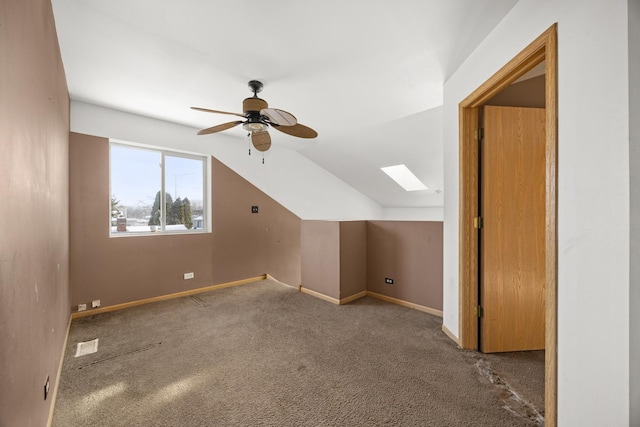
[(264, 354)]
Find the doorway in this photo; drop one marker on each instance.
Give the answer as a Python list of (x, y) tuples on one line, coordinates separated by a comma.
[(543, 49)]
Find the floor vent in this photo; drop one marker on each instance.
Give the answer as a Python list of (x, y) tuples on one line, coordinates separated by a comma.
[(87, 347)]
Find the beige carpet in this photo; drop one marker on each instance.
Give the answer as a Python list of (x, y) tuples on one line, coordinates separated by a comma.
[(263, 354)]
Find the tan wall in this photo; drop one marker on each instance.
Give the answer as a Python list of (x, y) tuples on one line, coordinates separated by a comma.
[(341, 259), (410, 253), (123, 269), (34, 251), (353, 258), (246, 244), (527, 93), (320, 252)]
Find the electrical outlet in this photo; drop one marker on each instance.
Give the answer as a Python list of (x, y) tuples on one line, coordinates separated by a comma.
[(95, 303), (254, 209), (46, 388), (188, 276), (388, 281), (82, 307)]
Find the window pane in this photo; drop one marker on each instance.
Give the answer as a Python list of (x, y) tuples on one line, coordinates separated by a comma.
[(154, 191), (184, 192), (135, 185)]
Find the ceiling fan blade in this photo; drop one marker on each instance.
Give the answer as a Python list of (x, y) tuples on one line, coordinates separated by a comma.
[(279, 117), (261, 140), (301, 131), (206, 110), (219, 128)]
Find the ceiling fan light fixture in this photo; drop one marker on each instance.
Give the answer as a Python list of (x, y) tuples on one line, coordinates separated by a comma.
[(254, 127)]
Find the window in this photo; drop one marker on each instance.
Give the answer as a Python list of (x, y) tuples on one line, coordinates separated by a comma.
[(155, 191), (404, 177)]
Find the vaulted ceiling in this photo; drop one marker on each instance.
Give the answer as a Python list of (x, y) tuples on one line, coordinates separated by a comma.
[(366, 74)]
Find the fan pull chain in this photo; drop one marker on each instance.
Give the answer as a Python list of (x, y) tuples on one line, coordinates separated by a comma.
[(248, 139), (263, 157)]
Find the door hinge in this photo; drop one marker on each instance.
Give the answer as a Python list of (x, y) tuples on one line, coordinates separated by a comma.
[(479, 311), (477, 222), (479, 134)]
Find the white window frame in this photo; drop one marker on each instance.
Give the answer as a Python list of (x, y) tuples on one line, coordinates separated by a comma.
[(164, 151)]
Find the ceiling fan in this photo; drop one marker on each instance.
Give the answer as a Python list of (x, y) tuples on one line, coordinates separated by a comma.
[(258, 117)]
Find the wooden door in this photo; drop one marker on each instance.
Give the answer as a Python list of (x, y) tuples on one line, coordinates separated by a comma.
[(512, 237)]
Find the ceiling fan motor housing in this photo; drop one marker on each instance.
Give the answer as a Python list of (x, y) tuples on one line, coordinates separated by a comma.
[(251, 108), (254, 105)]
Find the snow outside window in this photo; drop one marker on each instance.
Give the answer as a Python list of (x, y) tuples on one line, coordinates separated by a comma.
[(154, 191)]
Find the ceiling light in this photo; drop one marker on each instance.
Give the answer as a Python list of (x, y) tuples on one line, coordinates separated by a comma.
[(254, 126), (404, 177)]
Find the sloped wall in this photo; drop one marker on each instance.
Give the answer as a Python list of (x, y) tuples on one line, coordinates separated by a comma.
[(34, 251), (123, 269), (246, 244), (306, 189)]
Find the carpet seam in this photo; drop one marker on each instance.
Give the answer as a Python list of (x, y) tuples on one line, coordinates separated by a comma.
[(116, 355)]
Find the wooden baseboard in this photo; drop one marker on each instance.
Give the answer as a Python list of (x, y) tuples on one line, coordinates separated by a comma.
[(332, 300), (405, 303), (354, 297), (319, 295), (57, 383), (78, 314), (450, 334), (371, 294)]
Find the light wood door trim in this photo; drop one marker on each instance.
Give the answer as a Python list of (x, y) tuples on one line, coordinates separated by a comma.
[(544, 48), (469, 242)]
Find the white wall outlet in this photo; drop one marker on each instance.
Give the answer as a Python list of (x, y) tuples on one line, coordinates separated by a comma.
[(82, 307), (188, 276), (95, 303)]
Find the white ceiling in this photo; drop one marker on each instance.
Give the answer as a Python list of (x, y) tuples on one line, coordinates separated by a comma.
[(367, 75)]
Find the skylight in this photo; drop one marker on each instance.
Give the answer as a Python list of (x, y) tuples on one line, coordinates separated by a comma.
[(404, 177)]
